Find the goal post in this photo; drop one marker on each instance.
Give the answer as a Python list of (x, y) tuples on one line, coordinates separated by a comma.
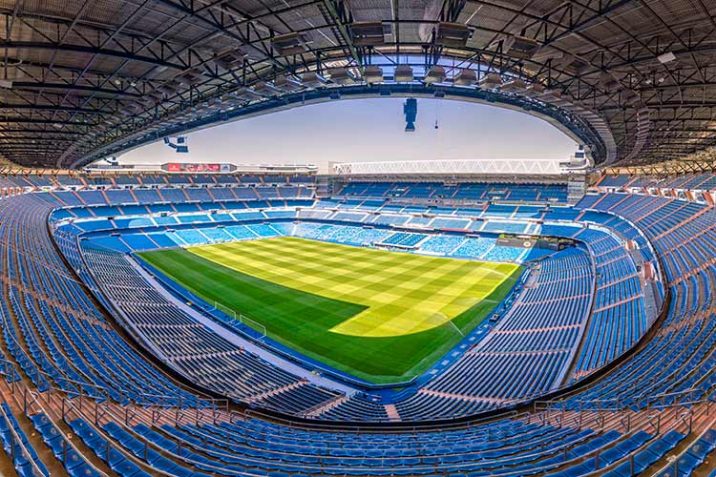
[(255, 325), (241, 318)]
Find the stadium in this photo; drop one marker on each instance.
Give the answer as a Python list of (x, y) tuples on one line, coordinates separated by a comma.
[(382, 317)]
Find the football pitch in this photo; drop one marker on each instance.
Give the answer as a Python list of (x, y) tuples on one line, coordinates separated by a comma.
[(382, 316)]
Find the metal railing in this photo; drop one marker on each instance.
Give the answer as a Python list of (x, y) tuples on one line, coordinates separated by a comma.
[(55, 405), (18, 447)]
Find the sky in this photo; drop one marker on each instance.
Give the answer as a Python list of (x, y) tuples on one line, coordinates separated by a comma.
[(369, 130)]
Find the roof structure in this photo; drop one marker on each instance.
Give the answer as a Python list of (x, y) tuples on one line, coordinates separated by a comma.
[(634, 80)]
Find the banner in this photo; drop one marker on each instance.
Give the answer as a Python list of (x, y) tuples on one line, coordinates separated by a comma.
[(193, 167)]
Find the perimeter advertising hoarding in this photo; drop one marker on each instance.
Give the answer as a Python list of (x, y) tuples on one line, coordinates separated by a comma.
[(527, 241), (197, 167)]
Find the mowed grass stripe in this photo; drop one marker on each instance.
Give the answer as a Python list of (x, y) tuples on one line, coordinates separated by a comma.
[(321, 267), (304, 292), (305, 260), (391, 295)]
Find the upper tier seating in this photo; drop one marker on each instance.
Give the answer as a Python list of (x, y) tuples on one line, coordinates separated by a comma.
[(122, 180), (702, 182), (464, 192)]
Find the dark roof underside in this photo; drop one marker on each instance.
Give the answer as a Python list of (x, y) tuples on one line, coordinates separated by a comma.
[(87, 78)]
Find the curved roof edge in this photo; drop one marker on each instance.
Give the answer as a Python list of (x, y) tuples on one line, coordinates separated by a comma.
[(595, 136)]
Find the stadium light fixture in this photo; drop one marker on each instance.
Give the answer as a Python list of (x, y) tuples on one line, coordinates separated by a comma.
[(289, 44), (466, 77), (287, 83), (452, 35), (436, 74), (373, 74), (514, 85), (666, 57), (535, 90), (246, 94), (341, 76), (369, 33), (403, 74), (311, 79), (522, 47), (490, 81), (230, 60)]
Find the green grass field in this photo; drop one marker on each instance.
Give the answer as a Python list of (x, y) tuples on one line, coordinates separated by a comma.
[(382, 316)]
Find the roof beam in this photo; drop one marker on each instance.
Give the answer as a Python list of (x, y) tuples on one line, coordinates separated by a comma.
[(38, 131), (51, 108), (12, 120), (32, 85), (337, 11), (38, 45)]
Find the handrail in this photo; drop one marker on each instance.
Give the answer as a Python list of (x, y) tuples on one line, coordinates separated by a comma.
[(84, 412), (16, 443), (465, 464), (444, 467), (674, 462), (31, 400), (67, 444)]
